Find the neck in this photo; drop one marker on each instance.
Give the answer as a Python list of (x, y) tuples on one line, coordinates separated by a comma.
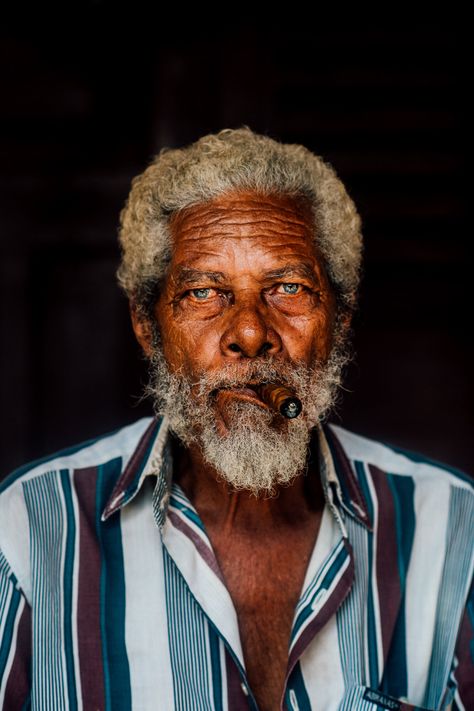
[(222, 507)]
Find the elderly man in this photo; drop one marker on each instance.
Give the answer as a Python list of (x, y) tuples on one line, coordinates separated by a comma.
[(232, 552)]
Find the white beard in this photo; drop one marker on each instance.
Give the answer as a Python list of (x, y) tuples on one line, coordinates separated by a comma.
[(262, 449)]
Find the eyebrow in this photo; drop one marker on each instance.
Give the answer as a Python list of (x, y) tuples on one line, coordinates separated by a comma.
[(189, 275)]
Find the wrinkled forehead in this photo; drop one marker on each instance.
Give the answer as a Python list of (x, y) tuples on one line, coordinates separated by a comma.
[(243, 213)]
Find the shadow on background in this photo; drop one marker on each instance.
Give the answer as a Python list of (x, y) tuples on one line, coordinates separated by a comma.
[(86, 107)]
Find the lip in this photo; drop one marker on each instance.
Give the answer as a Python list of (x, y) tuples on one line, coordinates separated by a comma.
[(242, 393)]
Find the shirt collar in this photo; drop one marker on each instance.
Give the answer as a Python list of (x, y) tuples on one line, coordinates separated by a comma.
[(338, 476), (152, 456)]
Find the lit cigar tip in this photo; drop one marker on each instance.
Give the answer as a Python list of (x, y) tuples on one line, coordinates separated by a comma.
[(291, 408), (281, 399)]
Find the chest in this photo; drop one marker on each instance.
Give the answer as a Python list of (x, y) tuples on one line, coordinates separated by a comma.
[(265, 580)]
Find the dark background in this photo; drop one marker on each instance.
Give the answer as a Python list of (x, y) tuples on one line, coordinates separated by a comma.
[(88, 103)]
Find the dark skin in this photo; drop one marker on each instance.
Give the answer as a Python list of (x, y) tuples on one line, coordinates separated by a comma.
[(225, 299)]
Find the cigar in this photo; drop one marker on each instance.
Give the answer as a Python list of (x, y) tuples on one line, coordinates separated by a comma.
[(280, 398)]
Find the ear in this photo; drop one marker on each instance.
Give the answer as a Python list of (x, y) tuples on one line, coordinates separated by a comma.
[(141, 328)]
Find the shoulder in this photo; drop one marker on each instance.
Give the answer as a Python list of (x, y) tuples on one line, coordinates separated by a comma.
[(396, 488), (35, 485), (103, 448), (394, 460)]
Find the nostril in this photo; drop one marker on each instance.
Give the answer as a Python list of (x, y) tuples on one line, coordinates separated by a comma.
[(234, 347), (266, 346)]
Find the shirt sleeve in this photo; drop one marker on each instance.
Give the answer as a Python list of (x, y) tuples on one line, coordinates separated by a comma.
[(15, 641), (464, 656)]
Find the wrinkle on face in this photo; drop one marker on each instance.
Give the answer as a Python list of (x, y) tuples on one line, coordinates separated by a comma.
[(240, 237)]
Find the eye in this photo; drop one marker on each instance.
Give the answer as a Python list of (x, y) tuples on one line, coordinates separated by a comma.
[(290, 288), (201, 294)]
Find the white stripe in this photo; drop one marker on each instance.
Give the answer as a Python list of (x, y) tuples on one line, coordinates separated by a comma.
[(75, 592), (206, 663), (146, 630), (373, 580), (322, 670), (225, 704), (15, 536), (431, 499), (458, 701), (293, 700), (64, 528)]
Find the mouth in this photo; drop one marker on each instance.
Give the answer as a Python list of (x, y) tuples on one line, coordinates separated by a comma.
[(247, 393)]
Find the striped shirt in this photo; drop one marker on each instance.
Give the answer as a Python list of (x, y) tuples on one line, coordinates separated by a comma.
[(111, 596)]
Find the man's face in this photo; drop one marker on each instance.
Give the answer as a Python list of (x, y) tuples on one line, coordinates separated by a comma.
[(246, 299)]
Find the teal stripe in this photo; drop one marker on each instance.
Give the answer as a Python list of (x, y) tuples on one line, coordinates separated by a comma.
[(395, 678), (371, 624), (189, 513), (9, 627), (66, 452), (216, 669), (315, 582), (470, 616), (296, 684), (324, 584), (68, 589), (403, 492), (112, 595)]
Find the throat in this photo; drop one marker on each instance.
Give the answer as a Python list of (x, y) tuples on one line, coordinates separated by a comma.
[(233, 508)]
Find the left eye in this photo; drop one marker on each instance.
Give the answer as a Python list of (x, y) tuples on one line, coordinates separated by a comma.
[(201, 294), (291, 288)]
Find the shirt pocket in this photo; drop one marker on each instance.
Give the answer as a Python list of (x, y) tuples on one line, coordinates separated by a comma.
[(364, 698)]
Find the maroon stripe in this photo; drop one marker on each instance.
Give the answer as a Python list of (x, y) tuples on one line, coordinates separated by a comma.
[(388, 579), (18, 685), (236, 699), (330, 607), (204, 551), (88, 601), (350, 480), (465, 671)]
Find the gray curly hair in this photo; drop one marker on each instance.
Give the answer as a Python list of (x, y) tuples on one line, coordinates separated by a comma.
[(228, 161)]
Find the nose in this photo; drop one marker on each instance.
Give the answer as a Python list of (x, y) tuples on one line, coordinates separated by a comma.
[(249, 335)]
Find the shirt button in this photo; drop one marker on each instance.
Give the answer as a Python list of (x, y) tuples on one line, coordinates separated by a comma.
[(244, 688)]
